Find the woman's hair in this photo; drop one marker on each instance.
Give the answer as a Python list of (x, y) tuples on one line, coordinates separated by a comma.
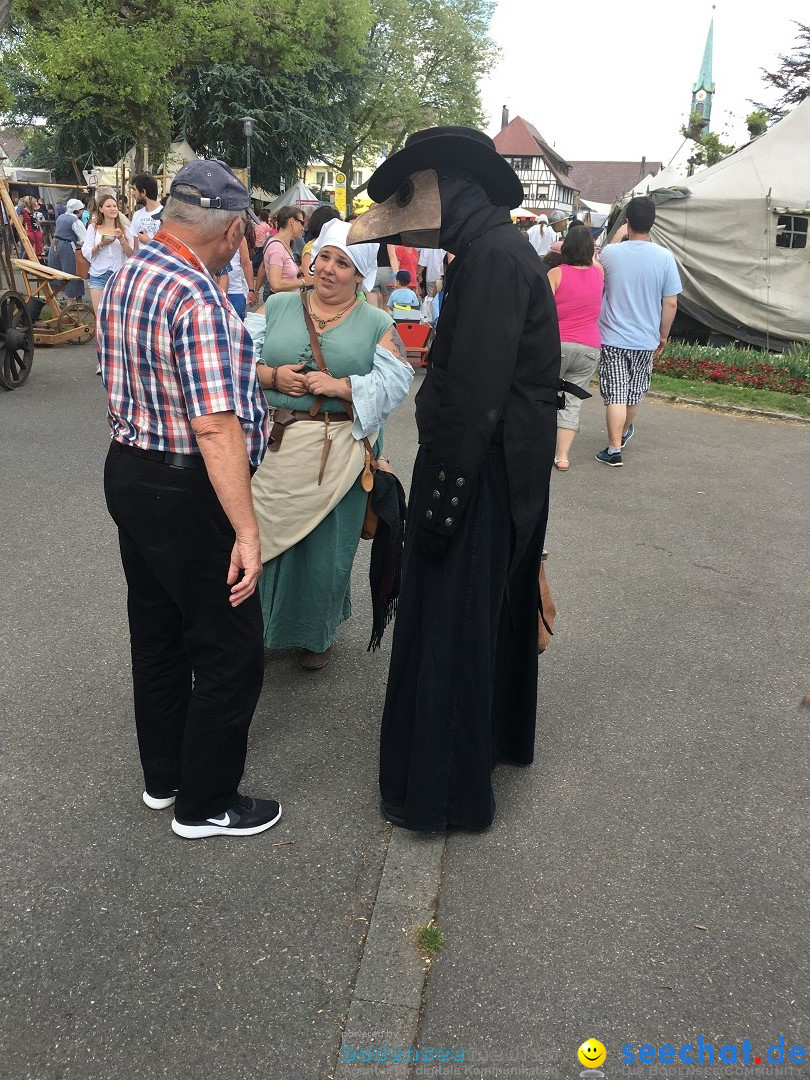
[(552, 259), (286, 213), (319, 218), (102, 196), (264, 215), (577, 248), (29, 202)]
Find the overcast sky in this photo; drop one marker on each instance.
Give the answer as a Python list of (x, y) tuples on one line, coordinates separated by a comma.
[(613, 82)]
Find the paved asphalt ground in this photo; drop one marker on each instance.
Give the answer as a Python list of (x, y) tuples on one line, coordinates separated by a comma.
[(669, 791)]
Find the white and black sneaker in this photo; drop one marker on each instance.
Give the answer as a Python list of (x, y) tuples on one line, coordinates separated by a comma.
[(246, 817), (159, 800)]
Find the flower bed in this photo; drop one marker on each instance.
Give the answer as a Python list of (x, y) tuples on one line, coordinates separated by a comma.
[(701, 364)]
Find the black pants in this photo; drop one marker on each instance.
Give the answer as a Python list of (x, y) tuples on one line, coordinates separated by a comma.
[(197, 663), (462, 685)]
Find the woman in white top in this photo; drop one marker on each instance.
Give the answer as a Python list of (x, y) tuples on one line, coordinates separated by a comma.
[(107, 245)]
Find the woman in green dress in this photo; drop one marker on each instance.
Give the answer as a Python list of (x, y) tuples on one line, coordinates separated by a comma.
[(307, 493)]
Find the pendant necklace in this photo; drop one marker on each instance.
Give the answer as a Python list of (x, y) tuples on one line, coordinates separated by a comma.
[(325, 322)]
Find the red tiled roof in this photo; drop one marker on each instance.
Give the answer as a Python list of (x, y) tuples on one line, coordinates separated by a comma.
[(12, 143), (604, 181), (521, 139)]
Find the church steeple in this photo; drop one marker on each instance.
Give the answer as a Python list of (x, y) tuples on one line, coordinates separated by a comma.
[(703, 89)]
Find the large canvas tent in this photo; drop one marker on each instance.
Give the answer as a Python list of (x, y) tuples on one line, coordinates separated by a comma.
[(739, 233)]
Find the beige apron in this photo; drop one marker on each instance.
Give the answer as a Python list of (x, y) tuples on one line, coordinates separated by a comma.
[(288, 500)]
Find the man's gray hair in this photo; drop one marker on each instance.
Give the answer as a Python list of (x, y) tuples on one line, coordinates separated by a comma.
[(206, 223)]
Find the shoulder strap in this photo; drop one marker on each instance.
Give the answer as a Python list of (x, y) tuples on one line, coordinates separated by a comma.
[(315, 407)]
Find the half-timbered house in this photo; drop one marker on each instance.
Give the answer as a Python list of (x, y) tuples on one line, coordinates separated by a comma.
[(543, 173)]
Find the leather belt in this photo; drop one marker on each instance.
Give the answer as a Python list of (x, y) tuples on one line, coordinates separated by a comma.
[(282, 418), (163, 457), (299, 414)]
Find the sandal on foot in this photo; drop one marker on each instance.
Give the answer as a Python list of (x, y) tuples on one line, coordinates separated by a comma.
[(561, 463)]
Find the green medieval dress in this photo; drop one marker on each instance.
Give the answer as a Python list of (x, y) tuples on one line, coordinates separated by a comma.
[(305, 591)]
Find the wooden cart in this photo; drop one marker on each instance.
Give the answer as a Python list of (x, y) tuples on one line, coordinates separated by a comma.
[(20, 327)]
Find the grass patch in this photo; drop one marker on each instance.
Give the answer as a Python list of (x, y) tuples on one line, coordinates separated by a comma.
[(725, 394), (430, 939)]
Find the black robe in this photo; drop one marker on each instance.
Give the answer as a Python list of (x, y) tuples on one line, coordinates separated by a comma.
[(462, 686)]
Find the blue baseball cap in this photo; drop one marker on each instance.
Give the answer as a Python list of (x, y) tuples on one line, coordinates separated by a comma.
[(219, 187)]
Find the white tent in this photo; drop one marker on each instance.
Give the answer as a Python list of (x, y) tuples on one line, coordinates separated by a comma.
[(644, 185), (298, 195), (668, 177), (740, 234)]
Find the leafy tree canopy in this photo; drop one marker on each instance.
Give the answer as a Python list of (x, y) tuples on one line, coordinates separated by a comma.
[(139, 71), (791, 78), (333, 79), (422, 65)]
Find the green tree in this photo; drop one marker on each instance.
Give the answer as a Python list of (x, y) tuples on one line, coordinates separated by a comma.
[(791, 78), (422, 64), (757, 123), (139, 71), (292, 115)]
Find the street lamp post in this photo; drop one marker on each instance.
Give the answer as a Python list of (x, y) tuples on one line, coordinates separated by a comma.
[(247, 124)]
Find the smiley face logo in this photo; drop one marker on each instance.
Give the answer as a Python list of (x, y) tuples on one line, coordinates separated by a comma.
[(592, 1054)]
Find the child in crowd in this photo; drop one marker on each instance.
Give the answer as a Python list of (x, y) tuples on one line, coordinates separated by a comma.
[(403, 300)]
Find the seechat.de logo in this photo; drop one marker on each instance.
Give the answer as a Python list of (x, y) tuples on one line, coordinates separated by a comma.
[(592, 1054)]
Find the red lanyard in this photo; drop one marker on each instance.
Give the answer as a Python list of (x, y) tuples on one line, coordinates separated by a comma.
[(179, 249)]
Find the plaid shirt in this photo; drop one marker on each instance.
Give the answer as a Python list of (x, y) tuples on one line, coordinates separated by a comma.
[(172, 348)]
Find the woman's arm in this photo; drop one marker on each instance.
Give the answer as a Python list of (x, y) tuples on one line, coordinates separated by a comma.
[(554, 278), (376, 395), (278, 283), (392, 255), (306, 262), (90, 247), (247, 270)]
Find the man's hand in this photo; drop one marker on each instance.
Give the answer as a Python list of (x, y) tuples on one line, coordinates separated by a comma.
[(222, 445), (661, 346), (245, 561)]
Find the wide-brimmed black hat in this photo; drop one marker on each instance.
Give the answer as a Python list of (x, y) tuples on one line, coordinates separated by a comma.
[(460, 150)]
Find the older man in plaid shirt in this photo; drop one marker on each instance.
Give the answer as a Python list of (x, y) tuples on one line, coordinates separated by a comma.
[(189, 425)]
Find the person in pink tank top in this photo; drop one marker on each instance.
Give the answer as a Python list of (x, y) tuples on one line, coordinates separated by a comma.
[(577, 283)]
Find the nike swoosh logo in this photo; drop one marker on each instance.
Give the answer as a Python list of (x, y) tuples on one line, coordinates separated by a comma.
[(224, 820)]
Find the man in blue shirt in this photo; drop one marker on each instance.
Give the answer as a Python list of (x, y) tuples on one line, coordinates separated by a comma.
[(641, 298)]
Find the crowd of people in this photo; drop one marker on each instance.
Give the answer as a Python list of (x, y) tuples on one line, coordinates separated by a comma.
[(238, 455)]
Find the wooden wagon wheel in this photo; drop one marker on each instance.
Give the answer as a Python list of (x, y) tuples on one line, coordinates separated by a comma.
[(16, 341)]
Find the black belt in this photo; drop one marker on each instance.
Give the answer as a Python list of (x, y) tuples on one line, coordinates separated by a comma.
[(163, 457)]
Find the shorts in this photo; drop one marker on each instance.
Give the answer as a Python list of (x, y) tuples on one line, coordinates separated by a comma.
[(98, 281), (239, 303), (578, 365), (624, 374), (384, 279)]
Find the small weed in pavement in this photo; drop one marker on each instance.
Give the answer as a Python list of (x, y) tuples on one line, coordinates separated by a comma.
[(430, 939)]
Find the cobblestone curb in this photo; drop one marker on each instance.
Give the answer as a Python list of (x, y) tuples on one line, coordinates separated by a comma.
[(387, 996)]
